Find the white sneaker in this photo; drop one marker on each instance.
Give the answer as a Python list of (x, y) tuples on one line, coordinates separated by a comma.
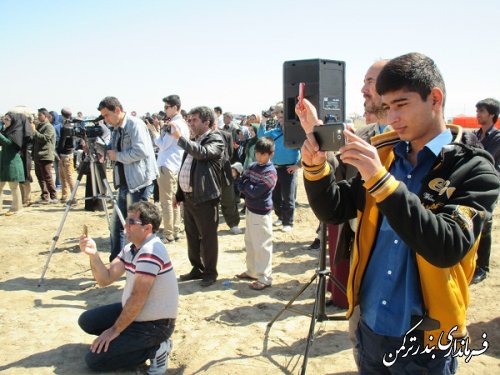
[(277, 223), (235, 230), (159, 362), (287, 228)]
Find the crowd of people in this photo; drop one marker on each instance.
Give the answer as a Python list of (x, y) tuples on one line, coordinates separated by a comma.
[(418, 193), (191, 166)]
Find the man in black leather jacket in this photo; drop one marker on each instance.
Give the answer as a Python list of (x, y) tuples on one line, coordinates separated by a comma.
[(199, 187)]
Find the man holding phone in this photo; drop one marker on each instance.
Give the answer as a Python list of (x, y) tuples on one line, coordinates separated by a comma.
[(422, 195), (199, 188), (343, 250), (169, 164)]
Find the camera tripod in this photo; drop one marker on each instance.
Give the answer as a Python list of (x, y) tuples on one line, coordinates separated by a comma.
[(99, 183), (318, 310)]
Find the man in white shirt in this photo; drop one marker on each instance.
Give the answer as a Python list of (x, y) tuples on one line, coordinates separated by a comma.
[(169, 162), (219, 117)]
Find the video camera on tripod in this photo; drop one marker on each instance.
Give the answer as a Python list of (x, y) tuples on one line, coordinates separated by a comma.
[(82, 128), (94, 134)]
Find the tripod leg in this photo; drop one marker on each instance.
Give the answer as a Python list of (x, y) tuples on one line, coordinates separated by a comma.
[(109, 193), (292, 300), (102, 192), (61, 225), (323, 270), (310, 337)]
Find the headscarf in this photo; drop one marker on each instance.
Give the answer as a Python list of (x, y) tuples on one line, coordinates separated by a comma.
[(57, 120), (15, 132), (57, 123), (28, 130), (253, 140)]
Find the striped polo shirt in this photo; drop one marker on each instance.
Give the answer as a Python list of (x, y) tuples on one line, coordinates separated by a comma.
[(151, 259)]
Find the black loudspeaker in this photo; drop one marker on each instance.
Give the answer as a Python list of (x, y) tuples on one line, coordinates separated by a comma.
[(324, 88)]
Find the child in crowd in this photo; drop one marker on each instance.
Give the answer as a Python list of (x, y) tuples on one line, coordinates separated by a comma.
[(236, 171), (257, 184)]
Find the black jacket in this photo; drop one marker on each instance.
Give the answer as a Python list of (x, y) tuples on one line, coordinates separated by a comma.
[(441, 223), (426, 222), (206, 170), (491, 143), (65, 145), (227, 176)]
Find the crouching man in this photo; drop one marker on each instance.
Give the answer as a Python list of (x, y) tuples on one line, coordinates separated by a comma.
[(140, 326)]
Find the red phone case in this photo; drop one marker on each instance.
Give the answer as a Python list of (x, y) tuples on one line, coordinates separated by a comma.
[(301, 91)]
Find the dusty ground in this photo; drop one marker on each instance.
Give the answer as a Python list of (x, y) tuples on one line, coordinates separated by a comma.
[(220, 329)]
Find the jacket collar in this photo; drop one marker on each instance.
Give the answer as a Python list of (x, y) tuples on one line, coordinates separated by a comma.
[(391, 137)]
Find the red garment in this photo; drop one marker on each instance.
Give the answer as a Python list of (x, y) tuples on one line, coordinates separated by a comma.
[(339, 271)]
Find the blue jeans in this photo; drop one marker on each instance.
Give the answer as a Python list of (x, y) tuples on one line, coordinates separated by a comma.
[(284, 195), (117, 233), (56, 170), (138, 342), (372, 348)]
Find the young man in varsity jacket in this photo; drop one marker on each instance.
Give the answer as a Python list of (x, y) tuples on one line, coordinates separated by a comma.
[(421, 198)]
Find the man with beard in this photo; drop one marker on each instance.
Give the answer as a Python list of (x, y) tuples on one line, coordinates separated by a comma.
[(341, 236), (373, 102)]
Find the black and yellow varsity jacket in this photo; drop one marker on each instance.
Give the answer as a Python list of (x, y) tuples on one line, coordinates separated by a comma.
[(442, 224)]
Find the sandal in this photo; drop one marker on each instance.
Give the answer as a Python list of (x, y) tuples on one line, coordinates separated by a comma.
[(245, 276), (257, 285)]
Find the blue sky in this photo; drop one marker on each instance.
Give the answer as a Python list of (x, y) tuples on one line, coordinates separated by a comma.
[(230, 53)]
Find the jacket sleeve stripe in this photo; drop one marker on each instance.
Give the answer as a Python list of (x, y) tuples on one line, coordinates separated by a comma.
[(381, 185), (316, 172)]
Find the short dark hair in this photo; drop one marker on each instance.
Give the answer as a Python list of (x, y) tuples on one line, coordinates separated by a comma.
[(218, 109), (110, 103), (491, 105), (264, 145), (184, 113), (173, 100), (413, 72), (205, 113), (149, 213), (44, 111)]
